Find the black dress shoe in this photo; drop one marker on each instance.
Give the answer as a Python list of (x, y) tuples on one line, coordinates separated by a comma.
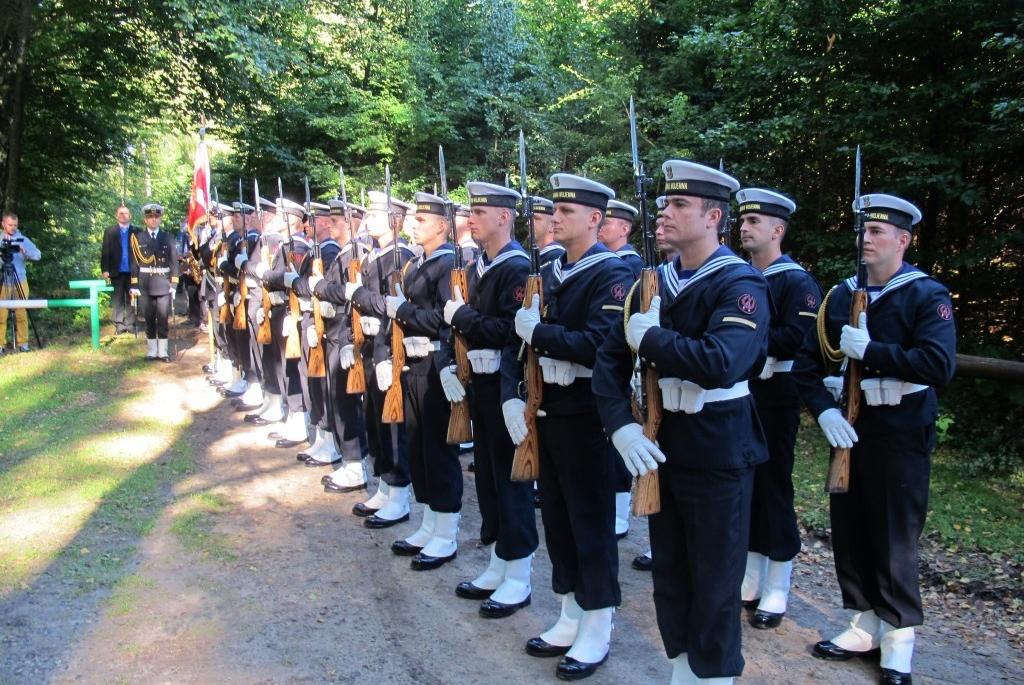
[(891, 677), (166, 360), (751, 603), (424, 562), (619, 536), (765, 620), (228, 394), (491, 609), (643, 563), (257, 420), (313, 462), (536, 646), (828, 650), (404, 549), (247, 407), (467, 590), (150, 359), (336, 489), (208, 369), (570, 669), (472, 466), (324, 480), (362, 510), (375, 521), (286, 444)]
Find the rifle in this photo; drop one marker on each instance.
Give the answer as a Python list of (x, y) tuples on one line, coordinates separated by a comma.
[(838, 480), (394, 408), (293, 345), (646, 492), (526, 463), (263, 333), (315, 365), (243, 287), (224, 315), (460, 428), (356, 382)]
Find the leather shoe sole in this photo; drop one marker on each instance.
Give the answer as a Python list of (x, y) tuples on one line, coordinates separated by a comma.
[(377, 522), (257, 420), (286, 444), (570, 669), (247, 407), (362, 510), (404, 549), (891, 677), (751, 603), (166, 360), (467, 590), (765, 620), (643, 563), (423, 562), (537, 647), (336, 489), (829, 651), (491, 609), (315, 463)]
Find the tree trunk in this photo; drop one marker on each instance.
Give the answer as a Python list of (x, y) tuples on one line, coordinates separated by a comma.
[(13, 52)]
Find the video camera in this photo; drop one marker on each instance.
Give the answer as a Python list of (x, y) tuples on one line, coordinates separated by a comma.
[(9, 247)]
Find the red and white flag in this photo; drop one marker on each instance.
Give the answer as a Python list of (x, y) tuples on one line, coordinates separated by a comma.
[(199, 203)]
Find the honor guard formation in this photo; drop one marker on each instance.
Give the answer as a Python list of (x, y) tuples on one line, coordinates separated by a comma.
[(668, 379)]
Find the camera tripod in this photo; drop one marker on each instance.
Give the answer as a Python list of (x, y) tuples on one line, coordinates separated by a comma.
[(10, 285)]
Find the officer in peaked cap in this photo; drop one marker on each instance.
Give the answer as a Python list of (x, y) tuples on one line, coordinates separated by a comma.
[(154, 279), (774, 537), (906, 343), (705, 335), (614, 233), (584, 291), (543, 215), (485, 315)]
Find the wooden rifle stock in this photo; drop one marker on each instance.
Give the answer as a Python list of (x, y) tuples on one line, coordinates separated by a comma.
[(225, 309), (356, 383), (293, 345), (263, 334), (243, 296), (526, 463), (394, 405), (316, 366), (460, 428), (646, 492), (838, 480)]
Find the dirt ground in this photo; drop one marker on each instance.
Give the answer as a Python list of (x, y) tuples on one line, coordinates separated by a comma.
[(303, 593)]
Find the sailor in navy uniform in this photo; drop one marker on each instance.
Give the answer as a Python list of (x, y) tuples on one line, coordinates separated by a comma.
[(584, 292), (249, 350), (222, 218), (496, 285), (543, 230), (706, 336), (238, 338), (906, 342), (774, 537), (154, 279), (386, 441)]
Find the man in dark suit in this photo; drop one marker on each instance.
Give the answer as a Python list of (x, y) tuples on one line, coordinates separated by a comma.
[(154, 263), (115, 263)]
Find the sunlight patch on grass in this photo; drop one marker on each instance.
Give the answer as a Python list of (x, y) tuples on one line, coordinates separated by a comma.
[(193, 524)]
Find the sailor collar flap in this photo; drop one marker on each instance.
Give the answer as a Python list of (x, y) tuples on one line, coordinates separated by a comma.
[(905, 275), (580, 266), (675, 287), (504, 256)]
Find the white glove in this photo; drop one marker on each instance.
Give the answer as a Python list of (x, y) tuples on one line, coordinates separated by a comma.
[(221, 263), (836, 429), (769, 369), (134, 292), (313, 280), (261, 269), (351, 288), (288, 325), (453, 305), (854, 341), (311, 337), (384, 371), (240, 259), (221, 300), (171, 291), (453, 389), (347, 355), (639, 454), (236, 298), (527, 319), (261, 316), (515, 420), (639, 324), (289, 278), (393, 302)]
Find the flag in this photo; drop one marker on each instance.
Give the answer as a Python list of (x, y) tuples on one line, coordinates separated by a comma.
[(199, 203)]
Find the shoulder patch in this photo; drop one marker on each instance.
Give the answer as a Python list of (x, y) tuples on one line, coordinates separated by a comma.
[(945, 312), (518, 293), (747, 303), (811, 301), (618, 292)]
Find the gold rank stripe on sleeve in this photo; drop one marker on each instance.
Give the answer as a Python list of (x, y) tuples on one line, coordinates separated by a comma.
[(736, 319)]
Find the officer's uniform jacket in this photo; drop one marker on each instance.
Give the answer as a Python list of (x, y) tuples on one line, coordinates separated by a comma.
[(154, 262), (714, 333), (581, 306), (913, 338)]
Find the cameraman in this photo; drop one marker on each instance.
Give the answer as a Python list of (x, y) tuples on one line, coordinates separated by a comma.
[(15, 249)]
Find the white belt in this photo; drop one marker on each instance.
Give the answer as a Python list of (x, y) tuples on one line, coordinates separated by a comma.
[(276, 298), (685, 396), (783, 367), (887, 391), (154, 269), (251, 282), (562, 372), (305, 305), (418, 347), (484, 361)]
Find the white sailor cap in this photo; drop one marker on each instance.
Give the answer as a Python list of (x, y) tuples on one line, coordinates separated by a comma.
[(429, 204), (462, 210), (542, 205), (690, 178), (267, 205), (319, 209), (620, 210), (761, 201), (221, 209), (580, 191), (292, 208), (660, 202), (890, 209), (153, 209), (492, 195), (379, 203)]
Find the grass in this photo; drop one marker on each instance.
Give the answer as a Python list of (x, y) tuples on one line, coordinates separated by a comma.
[(194, 527)]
